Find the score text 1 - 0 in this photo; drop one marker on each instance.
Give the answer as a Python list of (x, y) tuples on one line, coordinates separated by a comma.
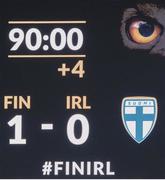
[(72, 102)]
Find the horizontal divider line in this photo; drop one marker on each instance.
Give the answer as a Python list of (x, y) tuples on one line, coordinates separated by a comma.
[(82, 179), (48, 56), (46, 22)]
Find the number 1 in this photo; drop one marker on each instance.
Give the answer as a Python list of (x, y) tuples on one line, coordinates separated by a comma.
[(17, 122)]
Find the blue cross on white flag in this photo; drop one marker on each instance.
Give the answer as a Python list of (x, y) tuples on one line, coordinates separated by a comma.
[(139, 116)]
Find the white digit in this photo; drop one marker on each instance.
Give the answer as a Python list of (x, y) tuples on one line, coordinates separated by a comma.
[(16, 35), (28, 39), (53, 40), (17, 122), (79, 43), (85, 129)]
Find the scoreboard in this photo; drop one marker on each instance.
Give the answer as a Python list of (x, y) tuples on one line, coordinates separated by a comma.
[(82, 92)]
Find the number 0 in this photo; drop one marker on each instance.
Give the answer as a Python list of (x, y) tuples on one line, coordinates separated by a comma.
[(80, 39), (28, 39), (85, 129)]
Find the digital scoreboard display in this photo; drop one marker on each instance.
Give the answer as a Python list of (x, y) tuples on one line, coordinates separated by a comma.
[(82, 91)]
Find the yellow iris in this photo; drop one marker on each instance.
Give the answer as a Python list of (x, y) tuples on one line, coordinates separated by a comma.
[(139, 37)]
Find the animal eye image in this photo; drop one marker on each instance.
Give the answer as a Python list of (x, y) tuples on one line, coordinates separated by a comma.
[(143, 27)]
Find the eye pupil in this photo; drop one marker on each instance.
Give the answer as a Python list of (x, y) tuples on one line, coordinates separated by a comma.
[(143, 32), (146, 29)]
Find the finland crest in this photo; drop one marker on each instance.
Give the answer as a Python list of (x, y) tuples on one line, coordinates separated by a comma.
[(139, 116)]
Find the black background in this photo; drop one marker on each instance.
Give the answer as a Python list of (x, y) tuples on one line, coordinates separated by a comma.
[(112, 73)]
